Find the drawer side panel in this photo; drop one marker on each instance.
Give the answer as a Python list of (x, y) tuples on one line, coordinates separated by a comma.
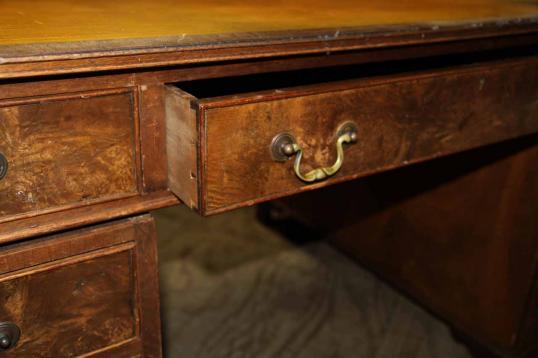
[(182, 145)]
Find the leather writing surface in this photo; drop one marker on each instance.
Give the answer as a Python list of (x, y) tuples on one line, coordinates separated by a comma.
[(47, 21)]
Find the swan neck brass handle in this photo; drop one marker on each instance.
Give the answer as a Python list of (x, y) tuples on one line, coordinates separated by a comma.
[(284, 146)]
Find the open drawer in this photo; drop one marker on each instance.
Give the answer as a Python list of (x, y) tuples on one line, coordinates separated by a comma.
[(240, 149)]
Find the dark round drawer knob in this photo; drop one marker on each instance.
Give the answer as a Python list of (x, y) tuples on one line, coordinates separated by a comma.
[(3, 166), (9, 335), (5, 342)]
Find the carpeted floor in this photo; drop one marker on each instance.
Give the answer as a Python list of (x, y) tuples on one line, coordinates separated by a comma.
[(232, 287)]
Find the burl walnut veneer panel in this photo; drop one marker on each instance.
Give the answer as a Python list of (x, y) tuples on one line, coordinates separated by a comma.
[(71, 310), (66, 151), (87, 292)]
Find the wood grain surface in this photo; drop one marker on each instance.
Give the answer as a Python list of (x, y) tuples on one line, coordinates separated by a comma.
[(84, 215), (65, 58), (26, 21), (153, 137), (182, 145), (401, 120), (66, 151)]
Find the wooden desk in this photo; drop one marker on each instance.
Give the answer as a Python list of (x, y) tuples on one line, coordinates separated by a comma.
[(110, 110)]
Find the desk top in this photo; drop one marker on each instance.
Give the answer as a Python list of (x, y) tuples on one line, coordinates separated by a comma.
[(44, 21), (44, 30)]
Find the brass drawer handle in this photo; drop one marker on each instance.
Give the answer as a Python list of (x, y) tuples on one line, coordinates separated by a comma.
[(284, 146), (9, 335)]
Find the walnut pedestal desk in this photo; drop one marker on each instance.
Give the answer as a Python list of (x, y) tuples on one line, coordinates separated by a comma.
[(111, 109)]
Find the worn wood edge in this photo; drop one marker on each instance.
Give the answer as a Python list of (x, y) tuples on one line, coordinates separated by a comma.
[(335, 180), (58, 221), (125, 349), (68, 86), (63, 208), (150, 78), (36, 52), (338, 86), (250, 46), (136, 169), (202, 159), (152, 137), (58, 97), (155, 77), (67, 261), (60, 246), (147, 288), (309, 61), (181, 145)]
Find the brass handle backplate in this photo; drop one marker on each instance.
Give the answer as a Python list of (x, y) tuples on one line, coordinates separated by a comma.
[(9, 335), (284, 146)]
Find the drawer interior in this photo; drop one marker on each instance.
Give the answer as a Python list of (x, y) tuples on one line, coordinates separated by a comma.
[(268, 81)]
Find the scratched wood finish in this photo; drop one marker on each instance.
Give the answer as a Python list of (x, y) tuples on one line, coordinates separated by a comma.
[(66, 152), (85, 215), (370, 46), (458, 233), (87, 292), (152, 137), (98, 31), (401, 120)]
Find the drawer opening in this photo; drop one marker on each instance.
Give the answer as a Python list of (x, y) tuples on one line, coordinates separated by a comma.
[(242, 84)]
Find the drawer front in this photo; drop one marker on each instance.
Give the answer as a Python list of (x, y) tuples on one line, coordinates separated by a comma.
[(78, 293), (400, 120), (65, 151)]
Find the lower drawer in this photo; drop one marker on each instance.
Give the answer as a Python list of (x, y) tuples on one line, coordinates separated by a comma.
[(82, 293)]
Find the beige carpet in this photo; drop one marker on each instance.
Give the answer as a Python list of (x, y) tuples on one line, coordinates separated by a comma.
[(231, 287)]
